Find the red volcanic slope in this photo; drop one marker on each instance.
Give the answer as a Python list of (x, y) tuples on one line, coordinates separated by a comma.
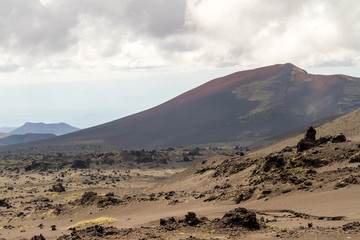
[(245, 107), (217, 85)]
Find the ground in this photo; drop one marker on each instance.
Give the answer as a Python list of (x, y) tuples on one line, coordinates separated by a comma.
[(286, 194)]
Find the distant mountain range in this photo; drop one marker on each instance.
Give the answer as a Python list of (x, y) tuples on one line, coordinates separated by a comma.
[(30, 137), (247, 107), (44, 128)]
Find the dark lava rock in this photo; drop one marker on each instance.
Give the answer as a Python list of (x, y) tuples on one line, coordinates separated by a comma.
[(240, 217), (4, 203), (287, 149), (310, 135), (273, 161), (355, 158), (58, 187), (93, 232), (351, 226), (339, 138), (88, 198), (40, 237), (108, 201), (224, 186), (323, 140), (186, 158), (244, 195), (37, 166), (211, 198), (194, 152), (166, 222), (347, 181), (53, 227), (81, 164), (308, 141), (191, 219)]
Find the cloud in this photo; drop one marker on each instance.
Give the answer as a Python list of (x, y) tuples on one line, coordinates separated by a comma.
[(48, 35)]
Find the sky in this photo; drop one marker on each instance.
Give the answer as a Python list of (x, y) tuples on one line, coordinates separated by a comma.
[(87, 62)]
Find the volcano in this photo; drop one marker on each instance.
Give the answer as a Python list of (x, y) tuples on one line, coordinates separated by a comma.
[(246, 107)]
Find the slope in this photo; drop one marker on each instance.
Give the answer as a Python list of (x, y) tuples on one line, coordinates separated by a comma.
[(247, 107)]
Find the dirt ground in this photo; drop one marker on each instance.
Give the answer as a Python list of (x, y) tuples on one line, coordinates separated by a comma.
[(286, 194)]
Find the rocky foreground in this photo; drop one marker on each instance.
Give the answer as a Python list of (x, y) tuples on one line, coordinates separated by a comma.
[(307, 191)]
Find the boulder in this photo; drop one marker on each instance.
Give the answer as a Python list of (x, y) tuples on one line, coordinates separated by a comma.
[(58, 187), (240, 217)]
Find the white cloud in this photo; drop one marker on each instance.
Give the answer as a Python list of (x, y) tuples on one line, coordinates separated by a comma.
[(47, 35)]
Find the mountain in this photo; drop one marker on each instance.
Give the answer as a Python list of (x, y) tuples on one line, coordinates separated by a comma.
[(247, 107), (53, 128), (30, 137)]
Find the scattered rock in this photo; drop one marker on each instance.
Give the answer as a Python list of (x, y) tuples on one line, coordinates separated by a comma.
[(58, 187), (355, 158), (211, 198), (81, 164), (308, 141), (310, 135), (37, 166), (273, 161), (339, 138), (244, 195), (95, 232), (191, 219), (264, 194), (287, 149), (4, 203), (351, 226), (53, 228), (166, 222), (38, 237), (108, 201), (240, 217), (347, 181)]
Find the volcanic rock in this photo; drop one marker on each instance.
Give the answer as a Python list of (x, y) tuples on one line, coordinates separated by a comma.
[(339, 138), (240, 217), (191, 219), (58, 187), (38, 237), (4, 203)]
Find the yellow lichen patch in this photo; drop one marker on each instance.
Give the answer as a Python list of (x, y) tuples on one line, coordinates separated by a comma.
[(95, 221), (54, 194), (49, 212)]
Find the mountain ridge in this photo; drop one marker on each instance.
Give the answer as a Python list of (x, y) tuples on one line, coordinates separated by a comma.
[(44, 128), (25, 138), (244, 107)]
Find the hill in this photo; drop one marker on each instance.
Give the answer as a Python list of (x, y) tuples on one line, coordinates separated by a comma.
[(43, 128), (247, 107), (30, 137), (348, 124)]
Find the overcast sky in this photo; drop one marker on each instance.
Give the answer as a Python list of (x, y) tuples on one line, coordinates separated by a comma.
[(86, 62)]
